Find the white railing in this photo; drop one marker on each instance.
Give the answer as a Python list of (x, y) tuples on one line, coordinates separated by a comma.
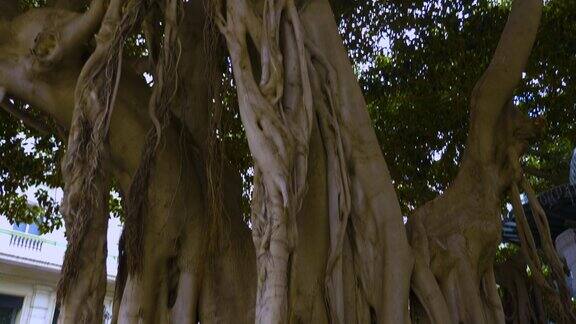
[(35, 249), (30, 249), (25, 241)]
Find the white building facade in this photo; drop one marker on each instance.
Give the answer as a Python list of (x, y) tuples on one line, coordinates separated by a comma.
[(30, 269), (566, 247)]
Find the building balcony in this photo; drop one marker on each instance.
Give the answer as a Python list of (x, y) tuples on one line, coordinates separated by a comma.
[(30, 264), (19, 246)]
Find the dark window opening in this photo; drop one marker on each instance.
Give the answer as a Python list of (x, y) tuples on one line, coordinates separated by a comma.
[(10, 307)]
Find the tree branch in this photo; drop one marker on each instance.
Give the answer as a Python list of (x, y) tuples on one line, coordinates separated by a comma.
[(52, 45), (496, 87), (86, 25), (28, 120)]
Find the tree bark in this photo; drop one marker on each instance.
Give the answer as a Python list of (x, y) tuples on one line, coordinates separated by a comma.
[(328, 239), (175, 241), (367, 260)]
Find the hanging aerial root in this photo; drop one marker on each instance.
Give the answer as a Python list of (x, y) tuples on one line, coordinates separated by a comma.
[(299, 87), (278, 119), (121, 278), (163, 96), (560, 302), (550, 254), (515, 284), (338, 179), (84, 166)]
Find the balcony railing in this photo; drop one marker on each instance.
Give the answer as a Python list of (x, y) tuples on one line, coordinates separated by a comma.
[(26, 241), (34, 249)]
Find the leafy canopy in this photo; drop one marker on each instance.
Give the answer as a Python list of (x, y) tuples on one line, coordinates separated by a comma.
[(417, 63)]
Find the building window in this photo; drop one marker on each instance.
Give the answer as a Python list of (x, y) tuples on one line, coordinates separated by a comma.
[(10, 307), (26, 228)]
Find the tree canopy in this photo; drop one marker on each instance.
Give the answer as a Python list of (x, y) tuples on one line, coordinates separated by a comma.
[(417, 63), (274, 120)]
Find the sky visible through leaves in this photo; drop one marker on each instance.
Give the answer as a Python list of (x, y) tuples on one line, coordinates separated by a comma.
[(417, 63)]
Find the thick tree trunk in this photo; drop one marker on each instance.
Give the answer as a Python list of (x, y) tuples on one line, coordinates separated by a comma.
[(360, 238), (182, 283)]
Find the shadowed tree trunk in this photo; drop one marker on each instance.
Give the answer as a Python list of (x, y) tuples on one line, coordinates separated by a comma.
[(520, 298)]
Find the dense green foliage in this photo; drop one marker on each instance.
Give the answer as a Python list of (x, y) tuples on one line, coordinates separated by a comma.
[(418, 62), (424, 60), (28, 161)]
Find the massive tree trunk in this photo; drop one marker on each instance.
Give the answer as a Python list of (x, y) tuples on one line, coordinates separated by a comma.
[(315, 156), (182, 280)]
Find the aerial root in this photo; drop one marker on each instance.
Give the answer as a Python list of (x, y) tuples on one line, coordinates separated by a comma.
[(560, 303), (163, 96), (85, 165)]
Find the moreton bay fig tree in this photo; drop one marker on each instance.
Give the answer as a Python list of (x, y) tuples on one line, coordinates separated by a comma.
[(147, 94)]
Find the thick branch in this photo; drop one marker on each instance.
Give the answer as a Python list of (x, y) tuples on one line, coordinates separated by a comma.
[(497, 85), (85, 26), (28, 120), (52, 45)]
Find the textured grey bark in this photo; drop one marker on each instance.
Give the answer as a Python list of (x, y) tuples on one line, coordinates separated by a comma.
[(366, 258)]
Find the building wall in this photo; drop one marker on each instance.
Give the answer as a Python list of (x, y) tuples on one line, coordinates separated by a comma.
[(566, 247), (30, 266), (39, 300)]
